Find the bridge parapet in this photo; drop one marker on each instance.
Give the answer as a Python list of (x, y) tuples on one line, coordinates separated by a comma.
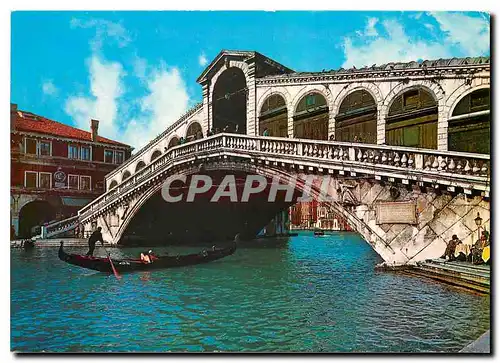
[(453, 170)]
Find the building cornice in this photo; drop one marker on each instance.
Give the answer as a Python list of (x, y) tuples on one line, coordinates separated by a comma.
[(379, 75), (69, 140)]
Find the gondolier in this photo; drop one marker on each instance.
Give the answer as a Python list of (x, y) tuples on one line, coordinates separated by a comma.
[(93, 239)]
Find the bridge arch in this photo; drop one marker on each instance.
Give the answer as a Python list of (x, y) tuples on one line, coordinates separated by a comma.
[(369, 234), (229, 100), (141, 164), (469, 121), (156, 154), (311, 116), (356, 114), (194, 131), (411, 116), (273, 115)]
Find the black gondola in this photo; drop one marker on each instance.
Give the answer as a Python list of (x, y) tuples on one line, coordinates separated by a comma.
[(102, 264)]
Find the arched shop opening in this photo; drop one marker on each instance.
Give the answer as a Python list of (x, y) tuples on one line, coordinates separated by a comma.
[(412, 120), (274, 117), (357, 118), (469, 125), (310, 120), (33, 215)]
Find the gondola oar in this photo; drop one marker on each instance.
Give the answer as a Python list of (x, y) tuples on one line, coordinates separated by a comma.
[(113, 266)]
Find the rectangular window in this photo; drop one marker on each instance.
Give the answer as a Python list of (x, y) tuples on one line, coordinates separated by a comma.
[(72, 152), (45, 181), (118, 157), (84, 182), (73, 181), (45, 148), (30, 179), (30, 146), (85, 152), (108, 156)]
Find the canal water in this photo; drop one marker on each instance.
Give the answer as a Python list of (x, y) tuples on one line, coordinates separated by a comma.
[(310, 294)]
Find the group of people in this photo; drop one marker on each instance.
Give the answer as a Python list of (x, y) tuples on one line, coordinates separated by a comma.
[(229, 128), (478, 253)]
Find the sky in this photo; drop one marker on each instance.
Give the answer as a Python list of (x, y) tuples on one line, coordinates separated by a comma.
[(136, 71)]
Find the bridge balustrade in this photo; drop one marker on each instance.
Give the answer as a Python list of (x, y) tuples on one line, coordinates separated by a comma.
[(439, 166)]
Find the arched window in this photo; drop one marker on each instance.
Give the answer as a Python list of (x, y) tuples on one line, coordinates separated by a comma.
[(139, 166), (273, 116), (125, 176), (194, 132), (155, 155), (113, 184), (469, 125), (412, 120), (173, 142), (357, 118), (311, 118)]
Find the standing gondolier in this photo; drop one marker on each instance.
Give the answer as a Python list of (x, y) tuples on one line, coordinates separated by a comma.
[(93, 239)]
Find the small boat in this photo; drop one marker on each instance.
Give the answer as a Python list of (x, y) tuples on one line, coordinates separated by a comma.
[(103, 264), (319, 233)]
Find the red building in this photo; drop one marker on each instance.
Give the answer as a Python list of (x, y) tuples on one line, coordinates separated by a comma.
[(55, 169)]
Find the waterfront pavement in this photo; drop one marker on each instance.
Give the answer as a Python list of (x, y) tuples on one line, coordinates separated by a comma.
[(480, 345), (69, 242)]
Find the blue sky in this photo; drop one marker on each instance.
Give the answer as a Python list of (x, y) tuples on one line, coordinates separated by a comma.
[(136, 71)]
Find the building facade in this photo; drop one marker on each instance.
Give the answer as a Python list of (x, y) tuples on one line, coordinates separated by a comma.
[(316, 215), (55, 169)]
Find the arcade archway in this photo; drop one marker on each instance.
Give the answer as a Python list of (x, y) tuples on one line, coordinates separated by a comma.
[(274, 116), (469, 125), (230, 102), (194, 132), (412, 120), (33, 215), (357, 118), (310, 120)]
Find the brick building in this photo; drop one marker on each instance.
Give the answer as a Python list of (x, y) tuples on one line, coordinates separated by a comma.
[(55, 169)]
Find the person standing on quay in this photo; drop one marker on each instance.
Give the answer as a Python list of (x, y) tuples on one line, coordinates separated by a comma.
[(93, 239)]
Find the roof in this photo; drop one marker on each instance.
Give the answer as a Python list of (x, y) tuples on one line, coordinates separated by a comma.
[(417, 65), (239, 53), (29, 122)]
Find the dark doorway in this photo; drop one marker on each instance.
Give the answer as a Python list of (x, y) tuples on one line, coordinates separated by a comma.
[(230, 102), (33, 215)]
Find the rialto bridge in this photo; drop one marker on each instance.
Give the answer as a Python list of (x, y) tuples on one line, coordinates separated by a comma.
[(411, 138)]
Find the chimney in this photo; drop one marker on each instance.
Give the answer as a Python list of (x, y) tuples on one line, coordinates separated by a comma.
[(13, 111), (94, 126)]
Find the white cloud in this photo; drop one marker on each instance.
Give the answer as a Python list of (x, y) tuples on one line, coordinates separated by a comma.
[(49, 88), (105, 30), (106, 88), (166, 101), (202, 60), (469, 34), (370, 30)]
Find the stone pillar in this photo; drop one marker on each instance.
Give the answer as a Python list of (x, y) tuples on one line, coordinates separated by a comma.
[(290, 123), (206, 122), (380, 125), (442, 129), (331, 125), (251, 101)]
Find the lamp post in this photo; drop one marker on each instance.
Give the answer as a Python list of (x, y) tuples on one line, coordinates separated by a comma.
[(478, 221)]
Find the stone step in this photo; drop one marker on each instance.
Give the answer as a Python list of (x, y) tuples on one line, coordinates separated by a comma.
[(456, 267)]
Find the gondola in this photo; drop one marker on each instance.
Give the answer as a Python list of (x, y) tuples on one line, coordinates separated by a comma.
[(103, 264), (319, 233)]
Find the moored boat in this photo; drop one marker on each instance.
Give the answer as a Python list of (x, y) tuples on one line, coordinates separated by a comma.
[(103, 264)]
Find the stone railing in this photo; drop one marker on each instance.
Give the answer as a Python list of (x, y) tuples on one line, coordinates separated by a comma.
[(452, 169), (56, 228)]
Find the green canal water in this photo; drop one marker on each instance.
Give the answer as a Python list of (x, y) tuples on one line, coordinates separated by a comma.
[(309, 294)]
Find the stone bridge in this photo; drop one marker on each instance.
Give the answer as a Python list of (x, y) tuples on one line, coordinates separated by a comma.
[(405, 202)]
